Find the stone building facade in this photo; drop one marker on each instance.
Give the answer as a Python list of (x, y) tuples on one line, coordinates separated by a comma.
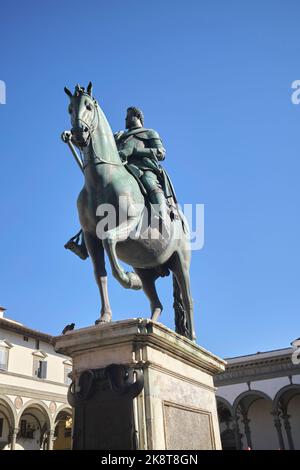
[(34, 413), (258, 398)]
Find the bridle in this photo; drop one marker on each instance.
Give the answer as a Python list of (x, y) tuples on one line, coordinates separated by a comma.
[(91, 129)]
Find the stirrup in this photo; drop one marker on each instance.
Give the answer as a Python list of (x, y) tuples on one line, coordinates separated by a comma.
[(76, 247)]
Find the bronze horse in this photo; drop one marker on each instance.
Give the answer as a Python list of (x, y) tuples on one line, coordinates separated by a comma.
[(151, 254)]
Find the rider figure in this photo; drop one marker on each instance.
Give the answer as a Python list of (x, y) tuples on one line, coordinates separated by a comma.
[(141, 149)]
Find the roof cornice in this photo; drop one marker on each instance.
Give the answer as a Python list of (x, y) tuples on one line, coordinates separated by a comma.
[(258, 369), (25, 331)]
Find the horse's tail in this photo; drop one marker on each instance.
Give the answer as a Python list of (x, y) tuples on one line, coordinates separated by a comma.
[(181, 326)]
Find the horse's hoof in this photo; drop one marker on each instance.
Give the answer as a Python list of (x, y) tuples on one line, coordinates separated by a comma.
[(105, 318), (134, 281), (156, 314)]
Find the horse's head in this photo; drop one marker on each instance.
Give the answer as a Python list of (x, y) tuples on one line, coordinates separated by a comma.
[(82, 109)]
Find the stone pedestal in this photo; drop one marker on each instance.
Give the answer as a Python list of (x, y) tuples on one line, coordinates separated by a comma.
[(139, 385)]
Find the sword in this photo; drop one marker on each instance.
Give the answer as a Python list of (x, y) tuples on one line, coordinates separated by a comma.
[(66, 137)]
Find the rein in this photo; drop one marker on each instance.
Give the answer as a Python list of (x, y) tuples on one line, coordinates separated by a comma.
[(92, 128), (100, 160), (67, 139)]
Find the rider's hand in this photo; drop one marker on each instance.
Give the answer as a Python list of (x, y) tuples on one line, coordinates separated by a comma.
[(66, 136), (160, 154)]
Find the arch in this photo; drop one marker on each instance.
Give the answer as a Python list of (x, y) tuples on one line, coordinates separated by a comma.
[(227, 424), (63, 428), (11, 409), (7, 417), (225, 411), (41, 406), (65, 408), (249, 397), (285, 394), (27, 413), (226, 403)]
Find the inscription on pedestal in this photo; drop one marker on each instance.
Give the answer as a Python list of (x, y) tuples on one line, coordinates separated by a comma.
[(187, 428)]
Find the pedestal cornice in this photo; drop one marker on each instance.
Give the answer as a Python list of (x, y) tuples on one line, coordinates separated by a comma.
[(139, 332)]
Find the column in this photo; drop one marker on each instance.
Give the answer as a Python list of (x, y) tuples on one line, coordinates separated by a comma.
[(288, 429), (50, 435), (246, 421), (277, 424), (13, 438), (237, 433)]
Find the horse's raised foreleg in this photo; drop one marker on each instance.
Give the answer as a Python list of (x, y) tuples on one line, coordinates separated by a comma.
[(148, 278), (129, 280), (179, 264), (96, 252)]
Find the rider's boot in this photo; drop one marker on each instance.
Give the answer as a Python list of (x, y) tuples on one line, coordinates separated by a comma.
[(159, 208), (158, 200)]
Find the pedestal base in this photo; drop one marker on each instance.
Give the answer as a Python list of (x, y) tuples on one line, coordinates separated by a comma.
[(139, 385)]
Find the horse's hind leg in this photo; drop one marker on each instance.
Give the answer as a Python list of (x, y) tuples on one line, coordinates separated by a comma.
[(148, 278), (96, 252), (180, 267)]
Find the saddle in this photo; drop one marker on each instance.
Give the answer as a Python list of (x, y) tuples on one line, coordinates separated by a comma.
[(137, 173)]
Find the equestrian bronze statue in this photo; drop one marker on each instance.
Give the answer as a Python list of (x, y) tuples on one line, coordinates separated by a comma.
[(122, 172)]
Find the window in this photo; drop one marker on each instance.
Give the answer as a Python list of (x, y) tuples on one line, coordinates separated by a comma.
[(25, 338), (26, 430), (1, 426), (68, 370), (4, 357), (37, 344), (40, 368), (39, 364), (23, 427), (5, 346)]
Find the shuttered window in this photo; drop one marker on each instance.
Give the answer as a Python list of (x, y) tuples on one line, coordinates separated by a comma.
[(3, 358), (68, 370), (43, 370), (39, 368)]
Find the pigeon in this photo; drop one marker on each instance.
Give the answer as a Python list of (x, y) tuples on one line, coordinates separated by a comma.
[(68, 328)]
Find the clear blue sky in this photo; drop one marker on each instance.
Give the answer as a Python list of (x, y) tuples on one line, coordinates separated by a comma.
[(214, 79)]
